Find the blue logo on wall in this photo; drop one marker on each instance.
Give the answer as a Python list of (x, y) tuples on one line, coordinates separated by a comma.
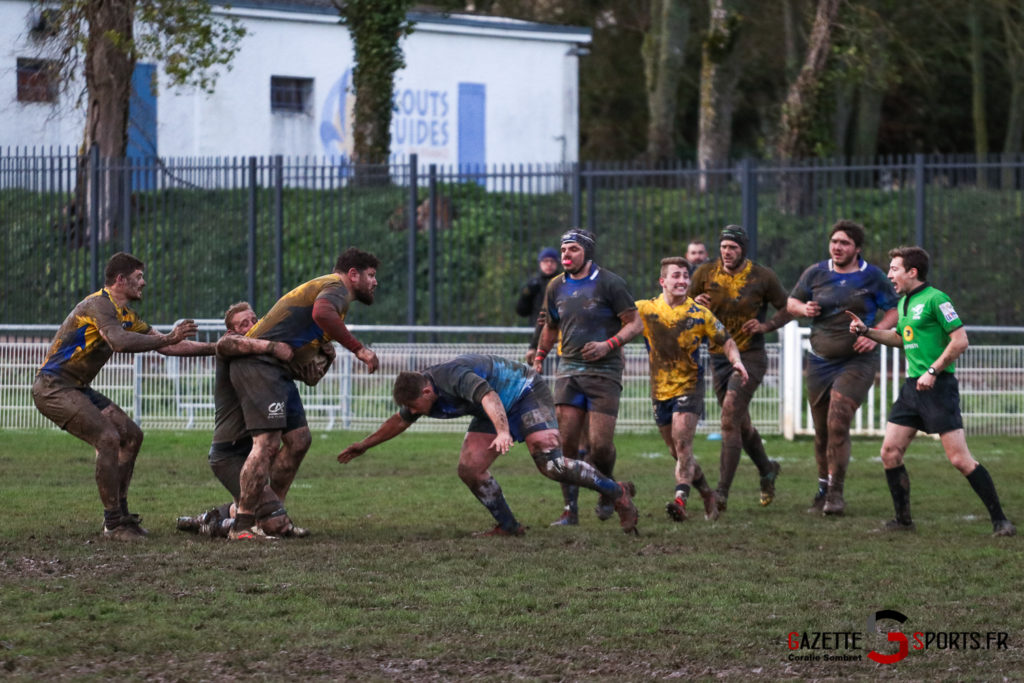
[(422, 122)]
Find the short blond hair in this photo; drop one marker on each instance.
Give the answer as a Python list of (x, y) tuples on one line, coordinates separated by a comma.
[(235, 309)]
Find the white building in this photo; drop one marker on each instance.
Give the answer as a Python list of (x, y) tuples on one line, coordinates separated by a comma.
[(476, 90)]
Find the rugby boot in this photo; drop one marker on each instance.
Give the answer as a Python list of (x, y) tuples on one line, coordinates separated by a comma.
[(676, 509), (898, 525), (628, 514), (818, 503), (604, 509), (520, 530), (768, 482), (123, 532), (1003, 527), (253, 533), (834, 505), (710, 505), (570, 517)]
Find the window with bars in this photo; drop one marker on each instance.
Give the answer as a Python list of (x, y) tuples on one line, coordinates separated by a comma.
[(37, 80), (290, 95)]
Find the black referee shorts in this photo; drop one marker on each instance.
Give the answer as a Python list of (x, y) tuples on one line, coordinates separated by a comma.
[(936, 411)]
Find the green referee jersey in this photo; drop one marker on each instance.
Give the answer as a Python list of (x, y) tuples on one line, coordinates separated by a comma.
[(926, 319)]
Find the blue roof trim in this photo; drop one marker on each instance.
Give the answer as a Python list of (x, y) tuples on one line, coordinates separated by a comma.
[(325, 7)]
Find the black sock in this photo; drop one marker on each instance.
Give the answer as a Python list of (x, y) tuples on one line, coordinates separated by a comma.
[(124, 507), (899, 487), (244, 521), (981, 481), (111, 518), (683, 491), (822, 488)]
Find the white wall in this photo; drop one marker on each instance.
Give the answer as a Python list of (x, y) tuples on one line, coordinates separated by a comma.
[(529, 85)]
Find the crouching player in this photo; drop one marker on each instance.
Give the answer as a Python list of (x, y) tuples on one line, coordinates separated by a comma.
[(509, 402), (675, 326)]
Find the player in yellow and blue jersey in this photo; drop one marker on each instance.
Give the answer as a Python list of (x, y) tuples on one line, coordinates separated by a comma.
[(675, 327), (98, 326)]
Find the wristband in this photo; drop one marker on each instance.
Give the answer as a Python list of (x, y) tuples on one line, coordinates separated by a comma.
[(540, 355), (613, 342)]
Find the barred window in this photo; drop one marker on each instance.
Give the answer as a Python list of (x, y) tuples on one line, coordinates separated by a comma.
[(37, 80), (290, 95)]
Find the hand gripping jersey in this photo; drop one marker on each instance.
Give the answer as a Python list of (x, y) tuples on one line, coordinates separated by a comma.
[(78, 351), (673, 337)]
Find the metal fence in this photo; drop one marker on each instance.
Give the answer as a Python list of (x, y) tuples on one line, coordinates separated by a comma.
[(455, 243), (162, 392)]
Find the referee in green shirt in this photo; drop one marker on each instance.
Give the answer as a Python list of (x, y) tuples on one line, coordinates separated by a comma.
[(932, 337)]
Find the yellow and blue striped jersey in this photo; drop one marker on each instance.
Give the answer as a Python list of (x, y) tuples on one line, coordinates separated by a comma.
[(79, 351)]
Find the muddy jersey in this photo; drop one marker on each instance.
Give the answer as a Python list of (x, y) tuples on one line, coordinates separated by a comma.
[(588, 310), (926, 319), (228, 420), (79, 351), (673, 337), (865, 292), (739, 297), (461, 383), (291, 319)]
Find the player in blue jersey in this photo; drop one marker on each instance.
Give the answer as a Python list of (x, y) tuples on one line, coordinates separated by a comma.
[(509, 402), (592, 314), (98, 326), (841, 367)]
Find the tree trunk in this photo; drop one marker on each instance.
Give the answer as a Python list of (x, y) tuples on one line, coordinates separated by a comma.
[(664, 53), (799, 108), (108, 80), (718, 79), (978, 89), (1013, 32)]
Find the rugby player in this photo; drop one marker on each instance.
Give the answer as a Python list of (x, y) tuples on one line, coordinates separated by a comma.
[(675, 326), (594, 314), (306, 319), (738, 292), (509, 402), (840, 369), (933, 338), (98, 326)]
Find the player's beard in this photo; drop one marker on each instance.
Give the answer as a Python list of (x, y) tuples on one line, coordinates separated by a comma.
[(363, 296)]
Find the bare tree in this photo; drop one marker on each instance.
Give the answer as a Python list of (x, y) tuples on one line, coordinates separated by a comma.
[(718, 79), (664, 51), (799, 108)]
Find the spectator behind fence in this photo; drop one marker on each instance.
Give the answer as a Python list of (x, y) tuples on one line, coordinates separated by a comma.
[(697, 254), (531, 295), (98, 326)]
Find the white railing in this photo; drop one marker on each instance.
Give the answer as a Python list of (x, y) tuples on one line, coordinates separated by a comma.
[(162, 392)]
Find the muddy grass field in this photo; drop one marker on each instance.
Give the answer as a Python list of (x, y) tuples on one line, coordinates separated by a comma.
[(393, 586)]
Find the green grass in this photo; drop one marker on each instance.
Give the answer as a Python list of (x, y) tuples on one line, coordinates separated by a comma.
[(392, 585)]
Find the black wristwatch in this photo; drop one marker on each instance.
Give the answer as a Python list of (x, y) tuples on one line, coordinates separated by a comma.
[(931, 370)]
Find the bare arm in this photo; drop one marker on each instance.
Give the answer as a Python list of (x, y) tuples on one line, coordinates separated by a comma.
[(732, 352), (781, 317), (496, 412), (234, 345), (548, 335), (954, 349), (125, 341), (189, 348), (799, 309), (327, 318), (391, 428)]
